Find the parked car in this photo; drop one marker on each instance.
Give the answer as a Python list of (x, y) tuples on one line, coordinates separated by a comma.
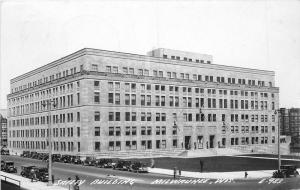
[(138, 167), (76, 160), (122, 165), (55, 157), (26, 170), (105, 163), (286, 171), (66, 158), (41, 173), (9, 167), (33, 154), (25, 154), (89, 161), (4, 151), (2, 165)]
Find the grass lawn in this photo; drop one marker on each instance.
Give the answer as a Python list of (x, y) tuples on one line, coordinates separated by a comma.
[(219, 163)]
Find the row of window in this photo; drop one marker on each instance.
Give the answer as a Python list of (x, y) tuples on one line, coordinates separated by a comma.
[(147, 116), (55, 103), (46, 79), (43, 145), (174, 101), (56, 118), (186, 76), (116, 86), (56, 132)]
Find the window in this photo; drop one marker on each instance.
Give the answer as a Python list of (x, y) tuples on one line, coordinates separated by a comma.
[(117, 99), (97, 116), (118, 131), (115, 69), (94, 67), (108, 69), (111, 131), (96, 97), (127, 116), (111, 98), (127, 99), (96, 84), (133, 99), (97, 146), (97, 131), (111, 116)]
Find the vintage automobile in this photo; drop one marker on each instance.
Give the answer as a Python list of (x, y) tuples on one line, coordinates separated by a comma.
[(76, 160), (9, 167), (122, 165), (25, 154), (56, 157), (26, 170), (286, 171), (33, 154), (138, 167), (2, 165), (104, 163), (66, 158), (41, 173), (4, 151), (89, 161)]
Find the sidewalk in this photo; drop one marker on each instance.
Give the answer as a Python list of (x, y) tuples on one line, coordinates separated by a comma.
[(27, 184), (218, 175)]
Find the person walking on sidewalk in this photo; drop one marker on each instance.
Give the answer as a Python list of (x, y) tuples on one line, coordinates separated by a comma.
[(201, 166)]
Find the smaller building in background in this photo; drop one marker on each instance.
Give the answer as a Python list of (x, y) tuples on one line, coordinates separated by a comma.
[(290, 126), (3, 130)]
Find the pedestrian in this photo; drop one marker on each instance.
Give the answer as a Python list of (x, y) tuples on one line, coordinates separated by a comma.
[(175, 170), (201, 166), (246, 174), (152, 163)]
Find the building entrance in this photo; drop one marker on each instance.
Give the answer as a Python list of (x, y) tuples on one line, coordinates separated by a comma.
[(187, 142)]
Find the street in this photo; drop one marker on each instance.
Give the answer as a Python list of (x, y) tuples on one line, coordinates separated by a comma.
[(93, 178)]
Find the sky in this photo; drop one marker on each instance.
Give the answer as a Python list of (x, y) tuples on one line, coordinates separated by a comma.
[(253, 34)]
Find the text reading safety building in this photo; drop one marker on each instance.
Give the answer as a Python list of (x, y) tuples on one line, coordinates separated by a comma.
[(108, 103)]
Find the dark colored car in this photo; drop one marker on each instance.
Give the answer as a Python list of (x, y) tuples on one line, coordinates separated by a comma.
[(4, 151), (76, 160), (286, 171), (138, 167), (122, 165), (9, 167), (41, 174), (2, 165), (55, 157), (104, 163), (25, 154), (33, 154), (66, 158), (26, 170), (89, 162)]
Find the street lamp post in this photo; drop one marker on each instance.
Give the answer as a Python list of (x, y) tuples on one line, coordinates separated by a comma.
[(48, 104), (278, 139)]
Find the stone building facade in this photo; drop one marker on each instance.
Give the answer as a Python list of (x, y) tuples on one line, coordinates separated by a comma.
[(105, 101), (290, 126)]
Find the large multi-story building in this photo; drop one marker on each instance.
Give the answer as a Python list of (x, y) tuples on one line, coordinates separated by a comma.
[(105, 101), (290, 126), (3, 131)]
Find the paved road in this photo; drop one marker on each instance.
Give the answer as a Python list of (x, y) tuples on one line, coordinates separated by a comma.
[(147, 181)]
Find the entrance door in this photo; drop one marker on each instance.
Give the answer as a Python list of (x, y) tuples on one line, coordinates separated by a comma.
[(187, 142), (211, 141)]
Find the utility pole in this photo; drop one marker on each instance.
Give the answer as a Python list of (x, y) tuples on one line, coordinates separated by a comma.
[(278, 137), (47, 105)]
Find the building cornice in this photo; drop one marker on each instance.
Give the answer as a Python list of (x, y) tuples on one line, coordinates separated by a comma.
[(137, 57)]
